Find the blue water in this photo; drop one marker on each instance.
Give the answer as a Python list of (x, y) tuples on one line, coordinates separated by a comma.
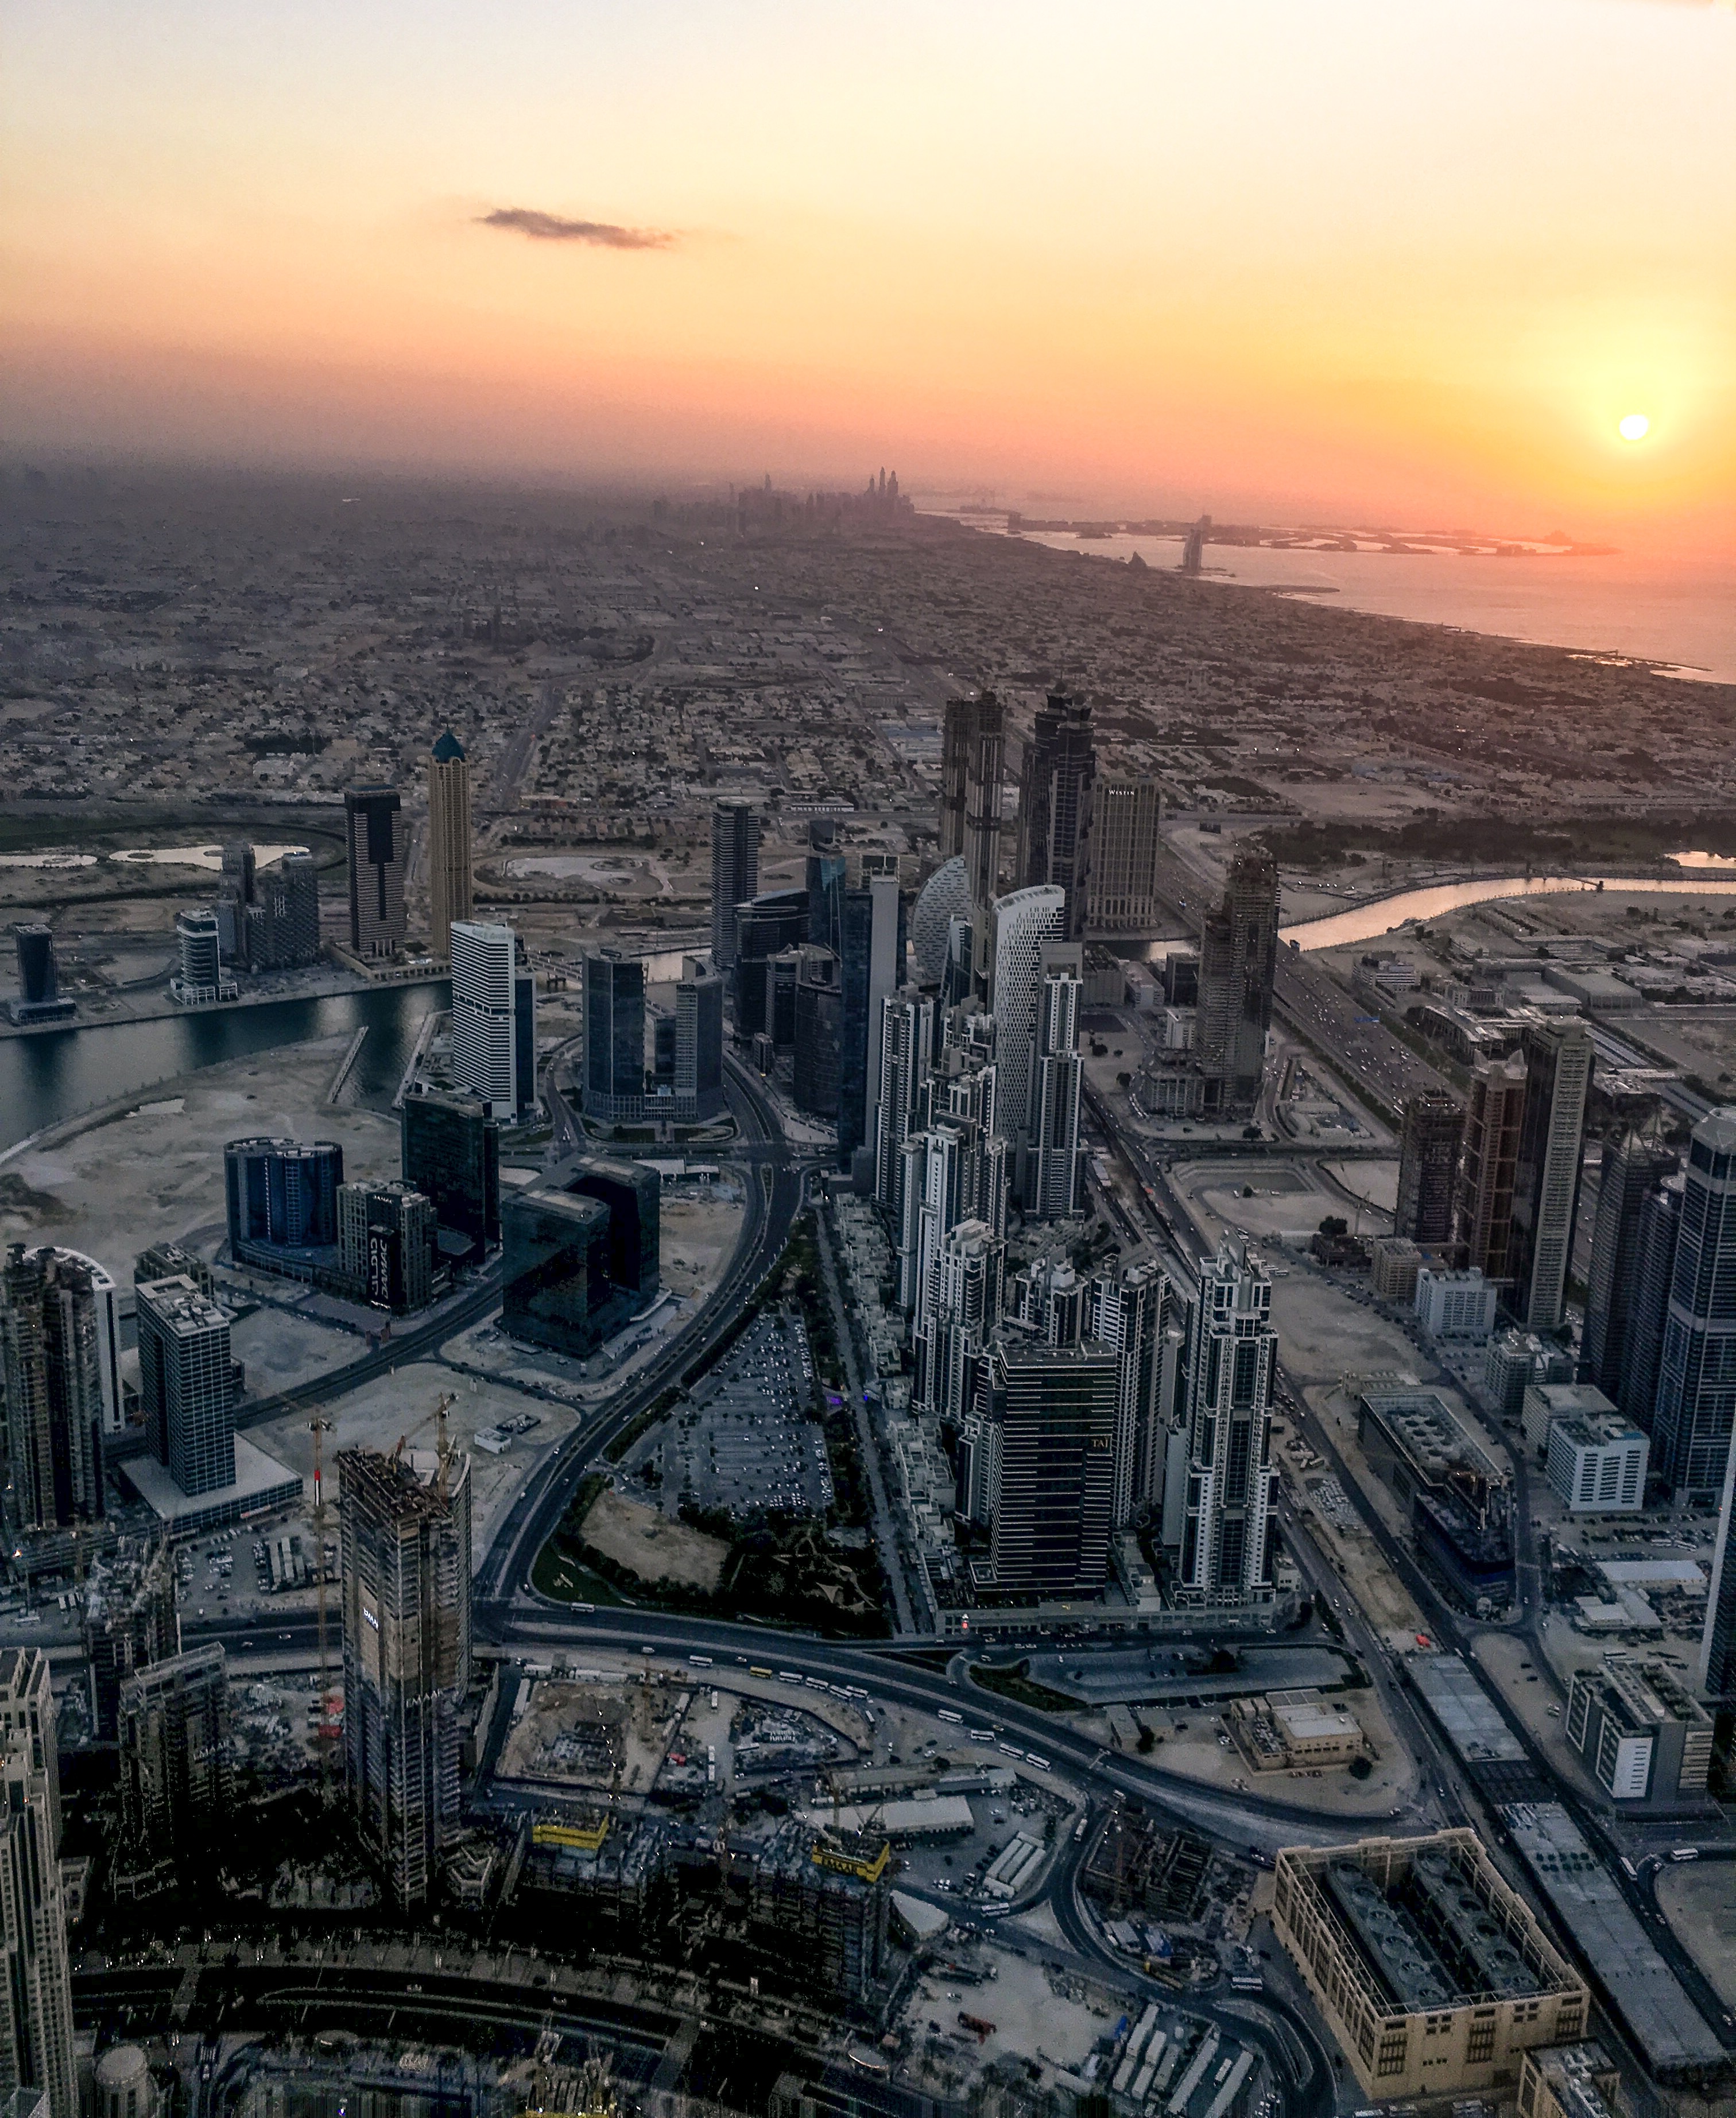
[(53, 1075)]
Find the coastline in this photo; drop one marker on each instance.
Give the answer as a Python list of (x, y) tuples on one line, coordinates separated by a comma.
[(1679, 621)]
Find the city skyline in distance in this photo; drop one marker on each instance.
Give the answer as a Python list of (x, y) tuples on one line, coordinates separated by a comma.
[(1372, 267)]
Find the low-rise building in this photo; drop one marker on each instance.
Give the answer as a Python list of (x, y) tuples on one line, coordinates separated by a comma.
[(1546, 1402), (1598, 1466), (1514, 1362), (1432, 1972), (1645, 1736), (1456, 1305), (1394, 1263), (1292, 1729), (1568, 2081)]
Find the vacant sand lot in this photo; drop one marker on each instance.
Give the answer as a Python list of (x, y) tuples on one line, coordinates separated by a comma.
[(634, 1535)]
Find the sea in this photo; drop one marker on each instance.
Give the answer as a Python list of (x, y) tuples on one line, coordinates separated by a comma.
[(1679, 614)]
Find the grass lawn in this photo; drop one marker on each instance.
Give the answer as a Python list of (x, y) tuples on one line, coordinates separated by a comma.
[(554, 1575), (1013, 1683)]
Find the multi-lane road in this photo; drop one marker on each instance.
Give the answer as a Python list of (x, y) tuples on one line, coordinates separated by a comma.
[(775, 1183)]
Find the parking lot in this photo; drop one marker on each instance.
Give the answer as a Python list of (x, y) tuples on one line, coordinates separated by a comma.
[(746, 1445)]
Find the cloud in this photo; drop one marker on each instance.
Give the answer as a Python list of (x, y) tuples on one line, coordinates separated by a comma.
[(555, 228)]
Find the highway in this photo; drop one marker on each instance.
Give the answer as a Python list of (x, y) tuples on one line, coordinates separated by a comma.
[(776, 1184)]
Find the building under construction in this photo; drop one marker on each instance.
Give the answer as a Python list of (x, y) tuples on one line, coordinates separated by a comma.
[(1458, 1497), (820, 1900), (175, 1769), (129, 1622), (406, 1617), (618, 1866), (1433, 1974), (1135, 1866)]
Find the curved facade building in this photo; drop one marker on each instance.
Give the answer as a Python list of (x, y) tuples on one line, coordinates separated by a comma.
[(1025, 923), (944, 897)]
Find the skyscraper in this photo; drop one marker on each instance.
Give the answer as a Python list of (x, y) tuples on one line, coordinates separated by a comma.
[(406, 1570), (1052, 1180), (38, 986), (36, 2046), (1132, 1315), (187, 1386), (386, 1243), (870, 971), (174, 1729), (1024, 923), (1121, 890), (1056, 784), (699, 1043), (281, 1195), (130, 1622), (817, 1075), (956, 1324), (1633, 1168), (199, 977), (1717, 1638), (826, 873), (60, 1354), (1552, 1141), (451, 879), (284, 921), (1052, 1410), (612, 1079), (1429, 1168), (734, 871), (376, 845), (238, 894), (484, 1062), (449, 1150), (1697, 1378), (907, 1040), (985, 737), (1238, 961), (524, 1041), (955, 1170), (1648, 1312), (1483, 1214), (766, 926), (957, 742), (1226, 1552)]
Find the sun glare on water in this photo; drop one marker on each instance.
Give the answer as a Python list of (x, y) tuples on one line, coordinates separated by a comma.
[(1634, 428)]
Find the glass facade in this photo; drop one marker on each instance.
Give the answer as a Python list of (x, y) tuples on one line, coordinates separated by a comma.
[(449, 1150)]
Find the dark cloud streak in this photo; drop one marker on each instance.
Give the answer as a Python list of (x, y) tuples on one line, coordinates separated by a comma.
[(555, 228)]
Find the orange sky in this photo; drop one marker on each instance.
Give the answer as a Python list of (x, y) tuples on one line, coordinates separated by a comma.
[(1364, 259)]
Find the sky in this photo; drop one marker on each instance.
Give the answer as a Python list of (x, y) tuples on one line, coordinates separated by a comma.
[(1394, 261)]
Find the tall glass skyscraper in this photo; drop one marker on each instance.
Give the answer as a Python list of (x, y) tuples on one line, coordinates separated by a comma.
[(376, 851), (735, 871), (612, 1076), (484, 1042), (1697, 1380)]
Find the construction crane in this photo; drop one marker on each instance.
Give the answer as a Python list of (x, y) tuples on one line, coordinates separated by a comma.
[(322, 1427), (443, 1446)]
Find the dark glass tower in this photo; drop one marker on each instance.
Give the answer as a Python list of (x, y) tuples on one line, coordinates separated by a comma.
[(613, 1076), (1055, 789)]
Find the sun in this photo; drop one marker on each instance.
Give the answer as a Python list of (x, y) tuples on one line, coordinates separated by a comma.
[(1634, 428)]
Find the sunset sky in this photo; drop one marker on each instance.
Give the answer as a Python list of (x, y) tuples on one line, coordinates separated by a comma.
[(1356, 260)]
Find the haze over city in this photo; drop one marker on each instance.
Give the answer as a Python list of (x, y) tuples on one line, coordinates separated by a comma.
[(1355, 263), (868, 1061)]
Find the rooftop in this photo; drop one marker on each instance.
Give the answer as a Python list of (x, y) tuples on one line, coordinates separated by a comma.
[(1465, 1710), (1670, 2030)]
